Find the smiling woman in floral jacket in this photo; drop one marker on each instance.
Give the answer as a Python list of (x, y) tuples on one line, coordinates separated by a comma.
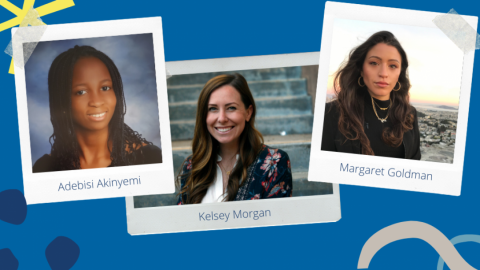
[(229, 161)]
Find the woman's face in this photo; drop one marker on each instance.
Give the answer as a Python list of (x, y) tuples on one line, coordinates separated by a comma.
[(93, 98), (381, 70), (227, 115)]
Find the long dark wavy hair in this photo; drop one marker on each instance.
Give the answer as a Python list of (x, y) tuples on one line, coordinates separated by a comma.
[(205, 147), (350, 96), (65, 148)]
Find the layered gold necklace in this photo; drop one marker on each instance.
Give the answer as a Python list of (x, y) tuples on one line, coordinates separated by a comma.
[(383, 120)]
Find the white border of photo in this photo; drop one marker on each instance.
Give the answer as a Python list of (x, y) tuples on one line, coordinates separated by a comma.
[(282, 211), (325, 165), (44, 187)]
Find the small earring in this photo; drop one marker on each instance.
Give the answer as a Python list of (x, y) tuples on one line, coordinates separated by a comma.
[(359, 82), (399, 86)]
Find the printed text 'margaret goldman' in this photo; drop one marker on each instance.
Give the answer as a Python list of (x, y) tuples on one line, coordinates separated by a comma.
[(392, 172)]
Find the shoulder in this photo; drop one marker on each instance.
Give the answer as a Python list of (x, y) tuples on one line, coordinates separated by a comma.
[(44, 164), (187, 165), (332, 107), (332, 110), (151, 154), (275, 155), (414, 112)]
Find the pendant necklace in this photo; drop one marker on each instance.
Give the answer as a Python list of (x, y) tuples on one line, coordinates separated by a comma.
[(383, 120)]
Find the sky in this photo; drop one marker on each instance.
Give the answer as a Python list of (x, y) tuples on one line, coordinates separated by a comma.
[(134, 57), (435, 62)]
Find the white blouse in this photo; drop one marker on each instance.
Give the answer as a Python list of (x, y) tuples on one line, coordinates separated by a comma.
[(215, 190)]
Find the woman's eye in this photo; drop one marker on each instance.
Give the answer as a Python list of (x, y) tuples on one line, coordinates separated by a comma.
[(106, 88), (231, 108), (373, 63), (81, 92), (211, 109), (393, 66)]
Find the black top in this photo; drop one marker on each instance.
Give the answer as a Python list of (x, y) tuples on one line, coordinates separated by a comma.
[(147, 154), (334, 140), (374, 128)]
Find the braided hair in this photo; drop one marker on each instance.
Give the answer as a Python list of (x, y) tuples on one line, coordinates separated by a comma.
[(65, 148)]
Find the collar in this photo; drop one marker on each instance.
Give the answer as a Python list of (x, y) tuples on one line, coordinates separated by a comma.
[(219, 158)]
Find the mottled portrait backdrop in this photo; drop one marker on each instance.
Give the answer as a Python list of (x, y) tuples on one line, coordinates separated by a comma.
[(134, 57)]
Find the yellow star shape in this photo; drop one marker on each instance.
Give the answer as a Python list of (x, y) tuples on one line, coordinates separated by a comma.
[(21, 13)]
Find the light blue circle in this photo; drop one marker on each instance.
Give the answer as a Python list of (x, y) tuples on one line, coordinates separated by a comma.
[(456, 240)]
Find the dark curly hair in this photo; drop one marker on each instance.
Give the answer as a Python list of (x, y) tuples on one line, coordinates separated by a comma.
[(350, 96), (65, 148)]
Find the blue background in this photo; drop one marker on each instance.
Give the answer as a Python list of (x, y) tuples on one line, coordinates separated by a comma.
[(213, 29)]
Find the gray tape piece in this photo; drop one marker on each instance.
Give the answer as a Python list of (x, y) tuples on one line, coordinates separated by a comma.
[(168, 74), (27, 37), (458, 30), (9, 49)]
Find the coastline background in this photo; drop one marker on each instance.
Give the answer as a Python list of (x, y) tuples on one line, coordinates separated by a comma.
[(435, 73)]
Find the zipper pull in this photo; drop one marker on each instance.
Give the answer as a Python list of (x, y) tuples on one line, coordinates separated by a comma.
[(367, 125)]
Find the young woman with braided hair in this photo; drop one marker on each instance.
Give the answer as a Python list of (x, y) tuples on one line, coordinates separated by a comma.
[(87, 109)]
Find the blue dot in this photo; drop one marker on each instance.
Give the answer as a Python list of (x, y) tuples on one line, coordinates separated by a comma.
[(62, 253), (8, 260), (13, 207)]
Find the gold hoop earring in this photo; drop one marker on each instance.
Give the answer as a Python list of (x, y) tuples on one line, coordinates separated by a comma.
[(359, 82), (399, 86)]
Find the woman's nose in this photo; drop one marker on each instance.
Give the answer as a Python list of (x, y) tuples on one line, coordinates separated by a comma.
[(383, 72), (222, 116), (95, 100)]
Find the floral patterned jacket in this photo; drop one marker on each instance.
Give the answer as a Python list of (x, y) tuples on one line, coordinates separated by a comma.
[(270, 176)]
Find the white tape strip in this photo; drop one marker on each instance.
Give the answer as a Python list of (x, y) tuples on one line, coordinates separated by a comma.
[(458, 30)]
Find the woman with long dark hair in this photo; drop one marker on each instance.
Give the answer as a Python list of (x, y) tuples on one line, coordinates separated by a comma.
[(87, 109), (229, 161), (372, 114)]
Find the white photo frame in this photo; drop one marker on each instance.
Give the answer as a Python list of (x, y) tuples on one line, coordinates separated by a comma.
[(151, 178), (284, 211), (442, 178)]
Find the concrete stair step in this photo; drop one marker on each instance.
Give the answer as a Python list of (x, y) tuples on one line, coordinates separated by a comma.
[(275, 125), (301, 187), (269, 106), (250, 75), (259, 89)]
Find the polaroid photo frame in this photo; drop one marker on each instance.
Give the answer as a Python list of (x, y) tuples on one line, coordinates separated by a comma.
[(146, 102), (278, 211), (441, 166)]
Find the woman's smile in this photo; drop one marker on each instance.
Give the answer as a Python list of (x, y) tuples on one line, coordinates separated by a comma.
[(224, 130), (97, 116), (227, 115), (93, 96)]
